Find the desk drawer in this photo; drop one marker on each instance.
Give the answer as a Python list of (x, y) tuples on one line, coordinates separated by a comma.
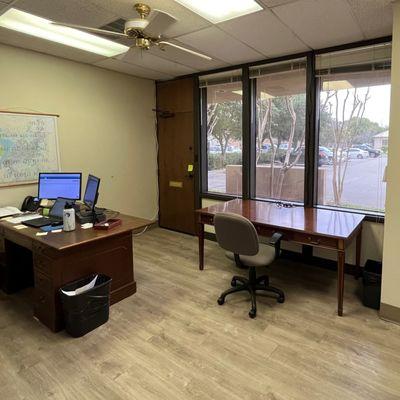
[(43, 282), (43, 302), (43, 264), (314, 240)]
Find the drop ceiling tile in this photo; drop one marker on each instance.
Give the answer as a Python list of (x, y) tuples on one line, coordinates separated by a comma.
[(190, 60), (78, 12), (264, 32), (3, 7), (320, 23), (18, 39), (374, 17), (146, 60), (187, 22), (274, 3), (218, 44), (130, 69)]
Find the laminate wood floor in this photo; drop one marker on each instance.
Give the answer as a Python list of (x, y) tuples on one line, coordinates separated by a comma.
[(172, 341)]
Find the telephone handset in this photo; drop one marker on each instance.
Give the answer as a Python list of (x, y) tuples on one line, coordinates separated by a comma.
[(30, 203)]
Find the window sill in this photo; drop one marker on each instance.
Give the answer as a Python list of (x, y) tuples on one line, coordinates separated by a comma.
[(378, 218), (218, 196)]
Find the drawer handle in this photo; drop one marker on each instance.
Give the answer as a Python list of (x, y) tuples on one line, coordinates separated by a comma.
[(316, 242)]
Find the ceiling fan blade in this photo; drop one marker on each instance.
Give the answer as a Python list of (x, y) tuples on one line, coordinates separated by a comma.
[(159, 22), (133, 50), (92, 30), (196, 53)]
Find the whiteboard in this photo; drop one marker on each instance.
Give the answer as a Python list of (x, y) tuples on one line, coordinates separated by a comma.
[(28, 145)]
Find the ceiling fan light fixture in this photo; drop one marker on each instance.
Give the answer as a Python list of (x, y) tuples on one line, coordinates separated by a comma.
[(137, 24), (221, 10), (33, 25)]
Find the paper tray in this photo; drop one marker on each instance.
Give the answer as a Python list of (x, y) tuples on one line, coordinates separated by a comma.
[(109, 224)]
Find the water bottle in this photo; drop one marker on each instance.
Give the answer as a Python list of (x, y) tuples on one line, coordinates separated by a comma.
[(69, 217)]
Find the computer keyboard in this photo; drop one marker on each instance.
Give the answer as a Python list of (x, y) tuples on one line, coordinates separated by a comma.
[(42, 221)]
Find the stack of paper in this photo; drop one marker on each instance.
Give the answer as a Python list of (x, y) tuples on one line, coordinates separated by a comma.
[(7, 211), (26, 217)]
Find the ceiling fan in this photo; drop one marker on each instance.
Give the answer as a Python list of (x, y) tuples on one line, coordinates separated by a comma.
[(145, 31)]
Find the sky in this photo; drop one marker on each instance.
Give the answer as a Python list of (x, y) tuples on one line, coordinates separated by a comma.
[(378, 106)]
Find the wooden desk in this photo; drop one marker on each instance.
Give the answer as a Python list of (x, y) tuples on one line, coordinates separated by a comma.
[(59, 258), (311, 226)]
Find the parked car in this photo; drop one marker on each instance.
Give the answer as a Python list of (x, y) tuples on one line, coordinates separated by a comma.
[(325, 156), (356, 153), (326, 150), (233, 149), (371, 151), (214, 149)]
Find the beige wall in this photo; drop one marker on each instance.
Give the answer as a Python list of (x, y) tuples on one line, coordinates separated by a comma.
[(371, 247), (106, 125), (391, 248)]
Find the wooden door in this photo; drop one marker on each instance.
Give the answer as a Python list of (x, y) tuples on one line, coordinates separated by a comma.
[(176, 154)]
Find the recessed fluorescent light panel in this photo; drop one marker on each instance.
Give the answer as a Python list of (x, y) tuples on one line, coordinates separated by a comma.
[(336, 85), (43, 28), (221, 10)]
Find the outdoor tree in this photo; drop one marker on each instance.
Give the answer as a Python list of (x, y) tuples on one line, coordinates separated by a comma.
[(346, 110), (224, 123), (281, 119)]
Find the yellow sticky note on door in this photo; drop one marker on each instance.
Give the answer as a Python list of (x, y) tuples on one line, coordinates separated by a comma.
[(190, 167)]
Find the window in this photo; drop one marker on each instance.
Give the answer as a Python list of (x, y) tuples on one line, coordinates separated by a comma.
[(328, 130), (280, 110), (221, 96), (354, 106)]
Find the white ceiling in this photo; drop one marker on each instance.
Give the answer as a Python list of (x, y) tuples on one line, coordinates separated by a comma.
[(283, 27)]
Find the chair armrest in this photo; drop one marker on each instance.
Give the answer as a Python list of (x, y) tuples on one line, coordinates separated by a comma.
[(276, 239)]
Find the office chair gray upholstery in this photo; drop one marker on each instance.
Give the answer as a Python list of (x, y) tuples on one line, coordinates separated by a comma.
[(238, 236)]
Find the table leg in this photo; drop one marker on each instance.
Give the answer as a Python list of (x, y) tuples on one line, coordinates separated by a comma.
[(201, 245), (340, 287)]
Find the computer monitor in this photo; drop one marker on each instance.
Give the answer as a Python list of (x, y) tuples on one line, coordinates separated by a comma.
[(91, 191), (60, 184)]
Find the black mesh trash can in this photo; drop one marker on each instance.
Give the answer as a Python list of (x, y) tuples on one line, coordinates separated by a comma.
[(372, 277), (86, 311)]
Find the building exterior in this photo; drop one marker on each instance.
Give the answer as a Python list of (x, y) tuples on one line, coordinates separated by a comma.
[(381, 140)]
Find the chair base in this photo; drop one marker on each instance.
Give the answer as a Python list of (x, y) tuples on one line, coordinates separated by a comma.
[(251, 285)]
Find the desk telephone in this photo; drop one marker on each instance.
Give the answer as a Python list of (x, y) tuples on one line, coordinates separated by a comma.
[(30, 203)]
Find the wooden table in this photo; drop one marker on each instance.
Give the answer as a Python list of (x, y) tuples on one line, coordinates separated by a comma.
[(59, 258), (328, 229)]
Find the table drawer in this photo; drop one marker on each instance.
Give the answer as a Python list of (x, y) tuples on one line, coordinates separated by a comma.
[(207, 219), (314, 240)]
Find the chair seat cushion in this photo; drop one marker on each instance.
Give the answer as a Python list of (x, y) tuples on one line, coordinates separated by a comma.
[(263, 258)]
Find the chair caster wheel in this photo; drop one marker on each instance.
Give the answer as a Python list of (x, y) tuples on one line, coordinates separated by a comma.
[(220, 301), (281, 299), (252, 313), (233, 283)]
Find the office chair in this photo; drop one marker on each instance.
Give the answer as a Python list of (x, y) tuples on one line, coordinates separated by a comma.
[(238, 236)]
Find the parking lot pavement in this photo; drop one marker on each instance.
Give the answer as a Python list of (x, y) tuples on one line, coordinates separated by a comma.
[(363, 185)]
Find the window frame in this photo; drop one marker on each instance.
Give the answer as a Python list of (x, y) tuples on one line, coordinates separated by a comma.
[(249, 132)]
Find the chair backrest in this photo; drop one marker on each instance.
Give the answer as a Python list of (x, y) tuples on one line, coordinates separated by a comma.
[(236, 233)]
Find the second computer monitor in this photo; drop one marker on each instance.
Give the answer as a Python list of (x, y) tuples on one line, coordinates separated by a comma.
[(60, 184), (92, 191)]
